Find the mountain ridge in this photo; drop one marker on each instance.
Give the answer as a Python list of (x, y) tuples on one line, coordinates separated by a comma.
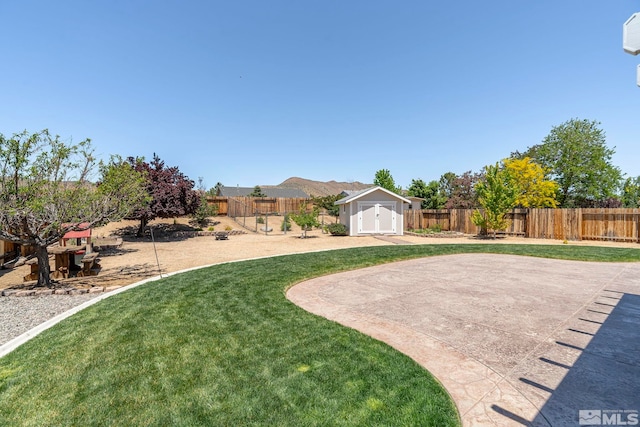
[(320, 188)]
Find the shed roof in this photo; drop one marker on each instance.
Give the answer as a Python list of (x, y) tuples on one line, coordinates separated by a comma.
[(354, 195)]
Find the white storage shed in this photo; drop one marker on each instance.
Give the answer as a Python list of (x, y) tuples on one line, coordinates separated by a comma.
[(374, 210)]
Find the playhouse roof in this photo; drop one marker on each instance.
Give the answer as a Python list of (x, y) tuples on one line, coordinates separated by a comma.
[(79, 234)]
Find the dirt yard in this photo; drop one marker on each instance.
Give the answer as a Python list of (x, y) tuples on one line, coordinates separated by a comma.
[(178, 247)]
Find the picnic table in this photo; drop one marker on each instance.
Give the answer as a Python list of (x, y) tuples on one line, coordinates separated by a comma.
[(62, 255), (63, 263)]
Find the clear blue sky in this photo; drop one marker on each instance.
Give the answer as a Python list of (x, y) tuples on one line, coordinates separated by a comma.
[(251, 92)]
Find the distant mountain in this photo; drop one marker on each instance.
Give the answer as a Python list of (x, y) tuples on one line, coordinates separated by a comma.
[(319, 188)]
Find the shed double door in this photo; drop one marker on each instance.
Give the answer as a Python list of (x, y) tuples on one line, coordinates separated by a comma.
[(376, 218)]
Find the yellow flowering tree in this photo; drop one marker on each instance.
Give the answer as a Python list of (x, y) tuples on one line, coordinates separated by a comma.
[(534, 190)]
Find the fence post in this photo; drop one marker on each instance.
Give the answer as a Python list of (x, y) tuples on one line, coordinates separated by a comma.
[(580, 230)]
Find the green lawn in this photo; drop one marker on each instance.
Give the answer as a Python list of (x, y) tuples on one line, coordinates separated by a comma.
[(223, 346)]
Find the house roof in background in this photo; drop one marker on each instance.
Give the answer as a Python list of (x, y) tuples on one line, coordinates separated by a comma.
[(269, 191)]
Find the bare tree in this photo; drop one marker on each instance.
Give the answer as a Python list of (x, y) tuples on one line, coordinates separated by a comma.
[(46, 191)]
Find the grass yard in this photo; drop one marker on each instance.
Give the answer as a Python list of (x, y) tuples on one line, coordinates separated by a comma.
[(223, 346)]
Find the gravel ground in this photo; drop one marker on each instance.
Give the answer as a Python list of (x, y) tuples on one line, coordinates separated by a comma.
[(20, 314)]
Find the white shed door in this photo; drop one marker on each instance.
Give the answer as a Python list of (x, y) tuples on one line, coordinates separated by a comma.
[(387, 218), (366, 218), (376, 217)]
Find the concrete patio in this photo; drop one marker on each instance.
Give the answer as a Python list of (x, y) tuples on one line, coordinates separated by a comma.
[(515, 340)]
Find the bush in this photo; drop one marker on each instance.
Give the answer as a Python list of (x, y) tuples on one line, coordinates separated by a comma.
[(204, 211), (337, 229), (260, 220), (286, 224)]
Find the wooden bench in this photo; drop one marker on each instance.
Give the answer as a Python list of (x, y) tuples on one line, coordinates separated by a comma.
[(33, 275), (60, 273), (89, 263)]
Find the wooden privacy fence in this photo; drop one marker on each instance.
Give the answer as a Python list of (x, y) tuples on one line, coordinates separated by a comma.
[(220, 203), (569, 224), (611, 224), (251, 206)]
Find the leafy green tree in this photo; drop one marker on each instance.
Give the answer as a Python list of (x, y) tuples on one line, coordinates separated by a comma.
[(631, 193), (418, 188), (432, 193), (217, 189), (384, 179), (204, 210), (577, 158), (306, 220), (328, 203), (46, 190), (534, 190), (497, 194), (257, 192), (446, 183)]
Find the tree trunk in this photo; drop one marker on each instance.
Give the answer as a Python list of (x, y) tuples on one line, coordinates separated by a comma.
[(44, 270), (143, 224)]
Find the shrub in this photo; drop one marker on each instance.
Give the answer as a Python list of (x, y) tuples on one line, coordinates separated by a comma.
[(260, 220), (286, 224), (338, 229), (436, 228), (211, 228), (228, 228), (204, 211)]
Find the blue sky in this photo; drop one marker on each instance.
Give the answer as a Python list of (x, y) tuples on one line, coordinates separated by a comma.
[(254, 92)]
